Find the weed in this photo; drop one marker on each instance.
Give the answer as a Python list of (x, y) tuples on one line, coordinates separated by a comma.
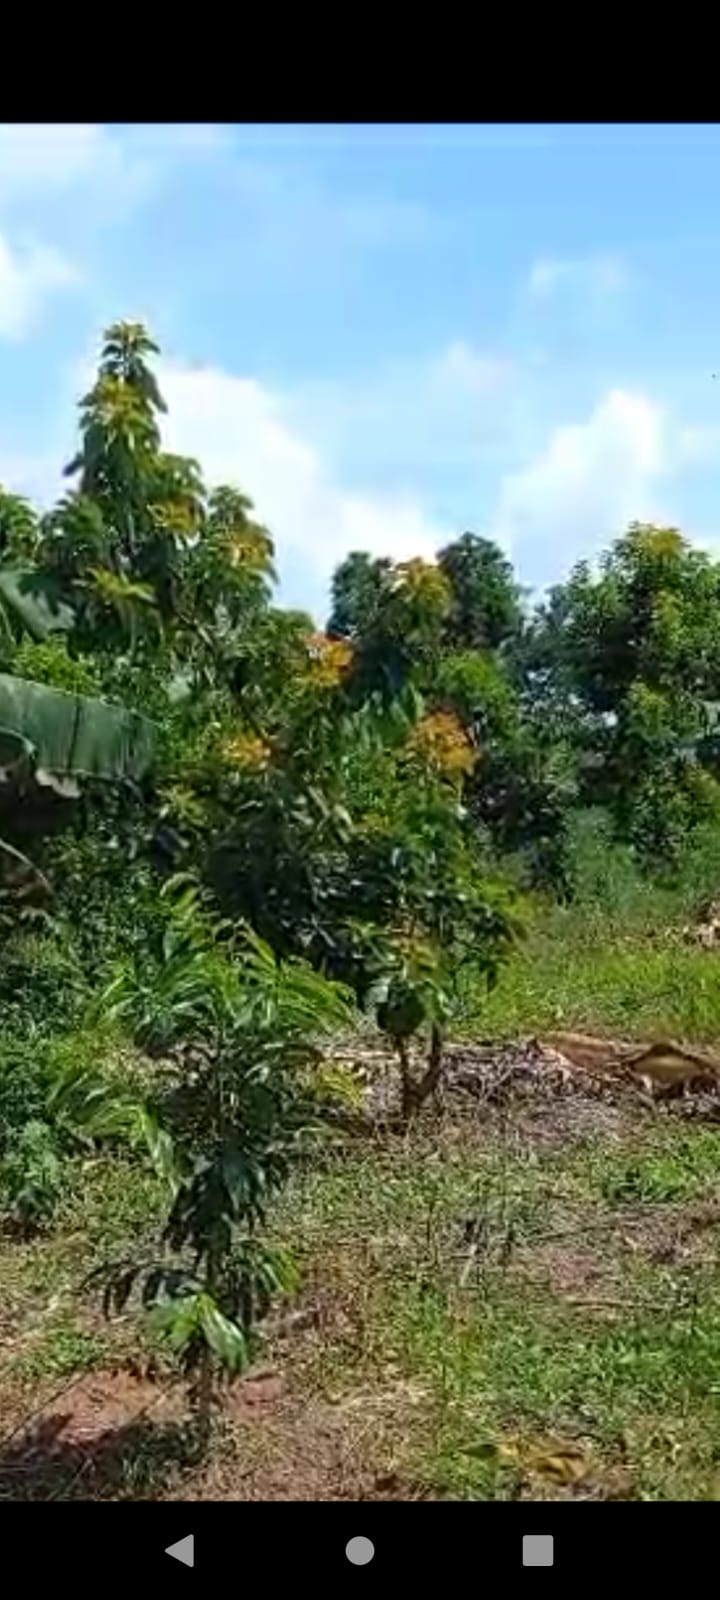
[(620, 1361)]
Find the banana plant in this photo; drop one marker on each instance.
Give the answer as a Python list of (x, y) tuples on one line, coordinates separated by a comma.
[(66, 737), (49, 742), (29, 600), (30, 604)]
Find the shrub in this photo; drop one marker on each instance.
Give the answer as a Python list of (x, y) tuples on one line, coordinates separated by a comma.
[(225, 1132)]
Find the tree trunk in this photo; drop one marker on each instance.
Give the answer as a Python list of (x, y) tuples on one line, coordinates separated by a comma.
[(204, 1387), (202, 1397), (415, 1092), (409, 1103), (432, 1076)]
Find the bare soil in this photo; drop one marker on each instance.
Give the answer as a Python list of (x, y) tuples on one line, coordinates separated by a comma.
[(121, 1434)]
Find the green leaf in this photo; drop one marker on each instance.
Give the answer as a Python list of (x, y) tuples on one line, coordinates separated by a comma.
[(179, 1320), (160, 1147), (74, 736), (224, 1337), (30, 600)]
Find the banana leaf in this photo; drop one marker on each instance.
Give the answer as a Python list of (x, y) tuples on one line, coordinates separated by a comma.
[(29, 599), (73, 736)]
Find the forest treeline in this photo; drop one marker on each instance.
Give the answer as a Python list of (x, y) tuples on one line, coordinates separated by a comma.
[(223, 830)]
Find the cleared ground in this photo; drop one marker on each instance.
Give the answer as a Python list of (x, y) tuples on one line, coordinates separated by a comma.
[(519, 1300)]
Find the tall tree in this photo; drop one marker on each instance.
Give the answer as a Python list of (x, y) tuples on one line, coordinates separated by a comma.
[(359, 586), (630, 655), (486, 600)]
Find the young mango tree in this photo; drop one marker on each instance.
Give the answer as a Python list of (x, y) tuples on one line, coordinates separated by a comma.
[(346, 841), (448, 911), (229, 1118)]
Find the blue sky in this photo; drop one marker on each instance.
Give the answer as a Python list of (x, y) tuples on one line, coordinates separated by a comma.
[(386, 335)]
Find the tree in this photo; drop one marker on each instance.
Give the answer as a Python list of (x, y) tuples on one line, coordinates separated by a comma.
[(51, 742), (228, 578), (312, 787), (650, 613), (98, 539), (18, 528), (223, 1130), (117, 542), (398, 637), (486, 611), (346, 842), (359, 586), (29, 604), (629, 655), (455, 632)]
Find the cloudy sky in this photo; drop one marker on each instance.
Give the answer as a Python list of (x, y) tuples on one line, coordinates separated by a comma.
[(385, 335)]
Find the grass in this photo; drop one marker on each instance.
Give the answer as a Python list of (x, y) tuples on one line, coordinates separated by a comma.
[(489, 1317), (485, 1313), (635, 989), (613, 960), (49, 1328), (579, 1346)]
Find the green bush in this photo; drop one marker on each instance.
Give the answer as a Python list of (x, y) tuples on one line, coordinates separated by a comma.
[(61, 1094), (42, 981), (32, 1176)]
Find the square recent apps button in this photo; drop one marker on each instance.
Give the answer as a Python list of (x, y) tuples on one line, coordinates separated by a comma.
[(537, 1550)]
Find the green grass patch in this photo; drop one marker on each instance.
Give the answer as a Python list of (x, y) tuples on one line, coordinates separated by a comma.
[(504, 1321), (612, 960), (50, 1326), (564, 1328), (564, 979)]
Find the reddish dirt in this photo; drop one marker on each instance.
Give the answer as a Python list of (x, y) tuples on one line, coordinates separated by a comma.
[(82, 1438), (118, 1434), (101, 1402), (115, 1435)]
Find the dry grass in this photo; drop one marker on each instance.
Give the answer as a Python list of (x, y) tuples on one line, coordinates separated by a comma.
[(520, 1300)]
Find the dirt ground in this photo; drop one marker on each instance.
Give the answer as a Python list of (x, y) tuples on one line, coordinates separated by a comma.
[(121, 1433), (272, 1444)]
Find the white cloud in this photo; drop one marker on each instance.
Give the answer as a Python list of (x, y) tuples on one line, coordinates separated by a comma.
[(590, 481), (234, 426), (38, 476), (697, 444), (41, 162), (264, 440), (53, 155), (27, 277), (474, 372), (597, 275), (47, 154), (87, 176), (181, 137), (443, 417), (566, 500), (116, 169), (303, 232)]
